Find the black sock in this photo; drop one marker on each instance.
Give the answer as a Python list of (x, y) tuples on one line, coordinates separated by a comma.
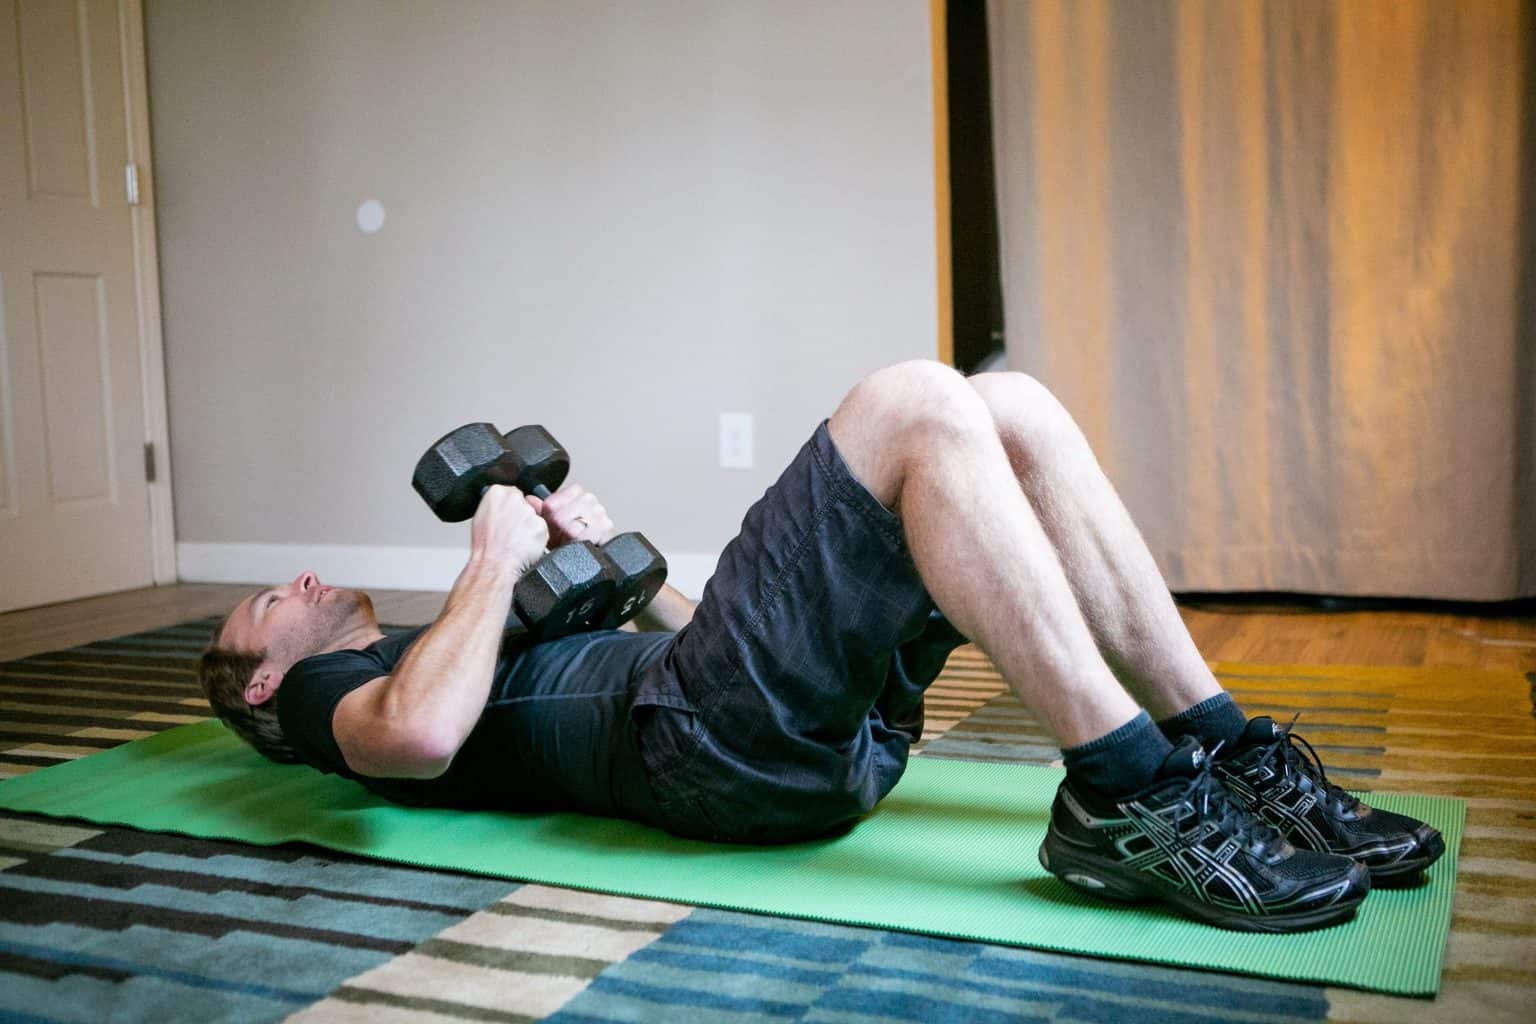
[(1215, 720), (1121, 762)]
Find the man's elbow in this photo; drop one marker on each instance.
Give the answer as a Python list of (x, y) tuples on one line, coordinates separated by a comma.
[(403, 756), (430, 757), (422, 770), (380, 739)]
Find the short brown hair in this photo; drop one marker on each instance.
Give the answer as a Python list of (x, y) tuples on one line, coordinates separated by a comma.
[(222, 673)]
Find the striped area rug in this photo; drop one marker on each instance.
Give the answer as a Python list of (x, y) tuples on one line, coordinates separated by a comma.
[(113, 924)]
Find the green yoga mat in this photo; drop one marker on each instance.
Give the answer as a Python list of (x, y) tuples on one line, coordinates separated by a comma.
[(951, 852)]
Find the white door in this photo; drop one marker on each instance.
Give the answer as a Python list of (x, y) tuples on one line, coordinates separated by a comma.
[(74, 509)]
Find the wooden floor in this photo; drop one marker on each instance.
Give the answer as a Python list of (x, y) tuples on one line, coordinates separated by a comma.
[(1310, 632), (1293, 632), (57, 626)]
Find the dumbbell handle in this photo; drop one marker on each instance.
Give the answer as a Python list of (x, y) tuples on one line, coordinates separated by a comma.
[(618, 615), (537, 490), (541, 492)]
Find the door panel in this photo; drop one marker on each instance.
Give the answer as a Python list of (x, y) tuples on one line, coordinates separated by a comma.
[(71, 334), (55, 119)]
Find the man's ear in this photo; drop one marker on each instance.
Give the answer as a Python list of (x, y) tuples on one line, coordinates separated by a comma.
[(262, 685)]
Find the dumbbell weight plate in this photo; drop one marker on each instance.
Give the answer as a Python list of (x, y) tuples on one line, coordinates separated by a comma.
[(455, 471), (535, 446), (639, 572), (565, 592)]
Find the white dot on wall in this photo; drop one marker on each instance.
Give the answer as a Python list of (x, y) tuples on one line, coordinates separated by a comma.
[(370, 216)]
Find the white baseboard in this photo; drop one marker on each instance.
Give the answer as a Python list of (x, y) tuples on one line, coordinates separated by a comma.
[(362, 566)]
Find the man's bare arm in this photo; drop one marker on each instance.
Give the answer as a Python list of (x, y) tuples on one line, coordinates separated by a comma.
[(410, 723), (668, 612)]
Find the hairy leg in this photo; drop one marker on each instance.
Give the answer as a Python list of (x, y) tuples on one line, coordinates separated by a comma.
[(926, 446), (1117, 584)]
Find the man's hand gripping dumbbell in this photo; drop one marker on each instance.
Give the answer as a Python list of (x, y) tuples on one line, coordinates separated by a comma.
[(576, 585)]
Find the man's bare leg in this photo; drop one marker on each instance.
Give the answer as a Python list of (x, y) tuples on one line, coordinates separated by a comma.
[(926, 445), (1117, 584)]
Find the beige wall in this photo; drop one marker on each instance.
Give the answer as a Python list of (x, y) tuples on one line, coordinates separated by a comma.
[(617, 219)]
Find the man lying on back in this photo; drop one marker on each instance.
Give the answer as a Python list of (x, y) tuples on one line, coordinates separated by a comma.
[(927, 510)]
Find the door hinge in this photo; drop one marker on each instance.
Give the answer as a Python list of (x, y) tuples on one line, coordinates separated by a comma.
[(131, 176), (149, 462)]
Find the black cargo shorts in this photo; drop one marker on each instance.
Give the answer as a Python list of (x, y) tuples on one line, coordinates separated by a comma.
[(786, 708)]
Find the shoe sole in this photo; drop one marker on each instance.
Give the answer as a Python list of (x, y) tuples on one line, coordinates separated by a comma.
[(1110, 881)]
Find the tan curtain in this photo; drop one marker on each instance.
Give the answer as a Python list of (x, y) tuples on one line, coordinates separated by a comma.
[(1276, 259)]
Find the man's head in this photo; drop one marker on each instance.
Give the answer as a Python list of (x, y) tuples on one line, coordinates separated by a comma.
[(265, 635)]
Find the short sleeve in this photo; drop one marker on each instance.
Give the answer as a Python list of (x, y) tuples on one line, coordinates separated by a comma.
[(313, 687)]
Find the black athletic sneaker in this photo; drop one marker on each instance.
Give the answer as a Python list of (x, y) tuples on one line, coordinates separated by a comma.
[(1288, 788), (1187, 841)]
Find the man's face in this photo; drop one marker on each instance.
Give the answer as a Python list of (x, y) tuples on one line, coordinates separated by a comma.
[(294, 620)]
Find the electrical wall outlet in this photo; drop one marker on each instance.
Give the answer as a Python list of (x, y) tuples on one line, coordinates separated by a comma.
[(735, 440)]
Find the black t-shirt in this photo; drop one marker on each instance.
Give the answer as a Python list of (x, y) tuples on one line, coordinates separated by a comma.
[(555, 733)]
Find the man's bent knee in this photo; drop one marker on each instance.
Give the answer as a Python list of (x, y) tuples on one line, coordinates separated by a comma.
[(1028, 415), (900, 413), (1009, 391)]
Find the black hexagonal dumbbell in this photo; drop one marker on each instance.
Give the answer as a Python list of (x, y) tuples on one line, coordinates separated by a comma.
[(570, 588), (455, 471), (638, 570)]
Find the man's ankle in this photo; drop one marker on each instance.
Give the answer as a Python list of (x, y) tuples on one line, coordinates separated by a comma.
[(1215, 720), (1121, 762)]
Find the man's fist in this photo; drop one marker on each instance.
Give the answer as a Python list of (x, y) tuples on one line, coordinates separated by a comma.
[(574, 514), (507, 529)]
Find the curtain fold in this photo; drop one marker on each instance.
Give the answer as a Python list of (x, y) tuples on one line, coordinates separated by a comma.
[(1276, 259)]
